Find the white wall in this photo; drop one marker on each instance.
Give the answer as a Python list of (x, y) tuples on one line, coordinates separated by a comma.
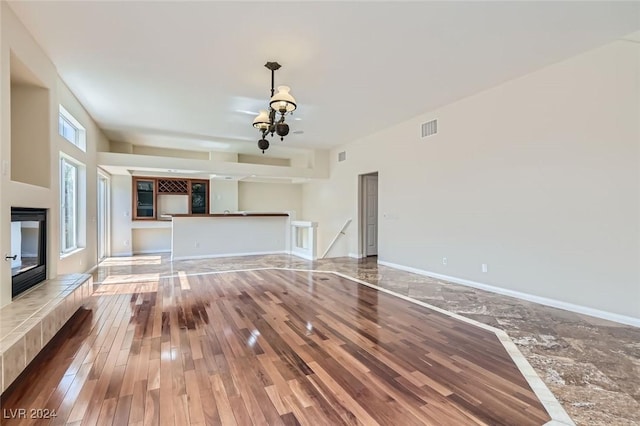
[(269, 197), (538, 178)]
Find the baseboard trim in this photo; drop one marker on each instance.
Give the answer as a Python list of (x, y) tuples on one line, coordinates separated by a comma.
[(302, 256), (151, 251), (585, 310), (212, 256), (356, 255)]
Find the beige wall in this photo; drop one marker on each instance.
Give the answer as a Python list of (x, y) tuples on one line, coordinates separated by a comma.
[(30, 134), (121, 203), (86, 258), (270, 197), (121, 147), (151, 240), (16, 41), (538, 178), (261, 159), (223, 195), (164, 152)]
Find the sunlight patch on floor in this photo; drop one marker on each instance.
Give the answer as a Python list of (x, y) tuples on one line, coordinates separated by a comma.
[(132, 261), (130, 278), (126, 288)]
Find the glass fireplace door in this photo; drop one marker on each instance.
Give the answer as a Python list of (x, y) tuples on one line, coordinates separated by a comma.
[(28, 248)]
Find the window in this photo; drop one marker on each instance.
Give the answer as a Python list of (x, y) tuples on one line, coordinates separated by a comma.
[(70, 129), (69, 205), (67, 130), (73, 205)]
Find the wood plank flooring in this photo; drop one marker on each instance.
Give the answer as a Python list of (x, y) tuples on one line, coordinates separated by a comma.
[(269, 347)]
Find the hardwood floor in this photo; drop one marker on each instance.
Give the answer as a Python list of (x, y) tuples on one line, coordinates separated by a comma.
[(269, 347)]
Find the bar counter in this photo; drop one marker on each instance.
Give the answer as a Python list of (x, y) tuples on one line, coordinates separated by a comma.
[(231, 234), (232, 215)]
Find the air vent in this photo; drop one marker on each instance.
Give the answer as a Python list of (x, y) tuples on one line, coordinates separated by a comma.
[(429, 128), (342, 156)]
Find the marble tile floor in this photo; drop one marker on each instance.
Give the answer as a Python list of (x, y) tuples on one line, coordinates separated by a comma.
[(591, 365)]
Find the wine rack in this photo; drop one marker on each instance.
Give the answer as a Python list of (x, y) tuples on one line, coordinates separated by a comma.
[(172, 186)]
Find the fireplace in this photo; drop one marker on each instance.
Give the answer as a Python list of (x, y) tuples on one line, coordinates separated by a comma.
[(28, 248)]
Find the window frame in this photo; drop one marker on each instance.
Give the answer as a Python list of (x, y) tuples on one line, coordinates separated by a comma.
[(80, 139), (78, 208)]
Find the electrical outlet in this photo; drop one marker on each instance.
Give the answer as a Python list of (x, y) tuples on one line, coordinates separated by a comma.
[(444, 261), (196, 244), (485, 267)]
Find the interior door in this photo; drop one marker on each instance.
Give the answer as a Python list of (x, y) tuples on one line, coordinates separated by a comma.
[(371, 215), (103, 217)]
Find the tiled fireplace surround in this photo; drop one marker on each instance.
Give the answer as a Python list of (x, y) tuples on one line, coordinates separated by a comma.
[(29, 322)]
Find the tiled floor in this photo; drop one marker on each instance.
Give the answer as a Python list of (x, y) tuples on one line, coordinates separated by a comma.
[(33, 318), (591, 365)]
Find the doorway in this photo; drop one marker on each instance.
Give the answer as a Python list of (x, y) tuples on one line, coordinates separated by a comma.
[(103, 216), (368, 194)]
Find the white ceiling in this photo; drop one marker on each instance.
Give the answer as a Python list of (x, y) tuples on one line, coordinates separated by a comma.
[(184, 74)]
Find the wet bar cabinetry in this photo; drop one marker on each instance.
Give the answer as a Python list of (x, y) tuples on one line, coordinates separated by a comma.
[(144, 199), (175, 195), (199, 197)]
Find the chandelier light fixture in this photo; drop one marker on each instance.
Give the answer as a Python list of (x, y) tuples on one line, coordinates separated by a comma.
[(281, 103)]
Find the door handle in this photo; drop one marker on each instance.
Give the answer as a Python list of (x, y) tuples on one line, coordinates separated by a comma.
[(14, 257)]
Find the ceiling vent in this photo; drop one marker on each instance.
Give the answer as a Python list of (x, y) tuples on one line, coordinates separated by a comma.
[(429, 128), (342, 156)]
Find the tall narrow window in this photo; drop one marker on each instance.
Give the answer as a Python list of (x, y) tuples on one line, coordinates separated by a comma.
[(68, 205)]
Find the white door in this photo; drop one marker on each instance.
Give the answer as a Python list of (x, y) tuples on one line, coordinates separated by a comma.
[(371, 215), (103, 217)]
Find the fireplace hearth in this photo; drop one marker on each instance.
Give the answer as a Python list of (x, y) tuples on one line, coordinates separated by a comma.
[(28, 248)]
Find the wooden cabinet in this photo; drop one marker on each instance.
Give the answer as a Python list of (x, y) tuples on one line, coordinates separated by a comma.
[(146, 191), (144, 198), (198, 197)]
